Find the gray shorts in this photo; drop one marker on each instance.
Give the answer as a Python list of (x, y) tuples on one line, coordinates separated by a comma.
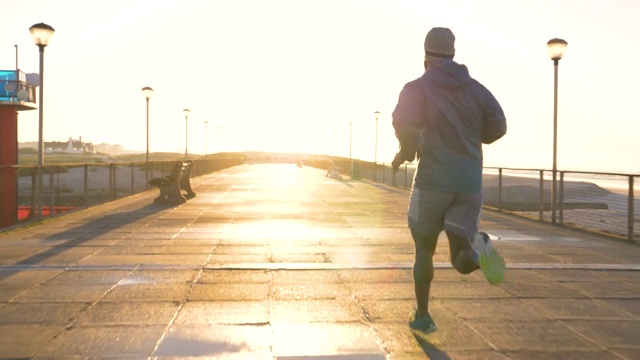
[(431, 212)]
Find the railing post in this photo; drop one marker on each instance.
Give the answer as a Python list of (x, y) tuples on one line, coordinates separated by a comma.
[(630, 211), (51, 191), (112, 181), (152, 174), (375, 172), (561, 199), (541, 214), (406, 175), (39, 193), (500, 189), (34, 189), (85, 195), (394, 176), (147, 177), (132, 178)]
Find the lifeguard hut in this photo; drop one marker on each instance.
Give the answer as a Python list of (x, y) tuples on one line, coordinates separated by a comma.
[(17, 93)]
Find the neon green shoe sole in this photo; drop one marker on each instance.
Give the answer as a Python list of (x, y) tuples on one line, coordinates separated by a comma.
[(492, 266)]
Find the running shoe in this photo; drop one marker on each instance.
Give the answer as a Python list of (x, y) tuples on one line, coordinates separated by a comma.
[(421, 325), (487, 257)]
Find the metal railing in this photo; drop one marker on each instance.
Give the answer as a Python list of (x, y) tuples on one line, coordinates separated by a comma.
[(605, 203), (68, 187), (599, 202), (14, 87)]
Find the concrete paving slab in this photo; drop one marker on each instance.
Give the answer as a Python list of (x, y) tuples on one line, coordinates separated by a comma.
[(539, 336), (630, 306), (342, 310), (102, 341), (229, 291), (128, 314), (63, 293), (41, 313), (565, 355), (326, 339), (564, 309), (609, 334), (24, 341), (208, 313), (147, 292)]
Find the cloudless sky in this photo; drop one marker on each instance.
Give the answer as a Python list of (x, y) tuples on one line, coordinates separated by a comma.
[(290, 75)]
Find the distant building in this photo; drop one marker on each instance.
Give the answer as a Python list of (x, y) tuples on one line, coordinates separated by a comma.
[(28, 145), (112, 150), (70, 146)]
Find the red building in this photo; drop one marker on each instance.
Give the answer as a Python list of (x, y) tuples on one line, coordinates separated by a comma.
[(16, 94)]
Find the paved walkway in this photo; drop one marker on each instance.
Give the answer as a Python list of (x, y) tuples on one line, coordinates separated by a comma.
[(280, 262)]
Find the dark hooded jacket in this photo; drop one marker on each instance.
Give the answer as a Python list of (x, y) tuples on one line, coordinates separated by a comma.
[(445, 116)]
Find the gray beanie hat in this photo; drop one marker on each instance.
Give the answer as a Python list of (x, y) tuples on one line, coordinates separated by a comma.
[(439, 43)]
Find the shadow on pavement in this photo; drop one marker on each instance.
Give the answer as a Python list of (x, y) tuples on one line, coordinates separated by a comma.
[(197, 348), (431, 350), (388, 188), (86, 231)]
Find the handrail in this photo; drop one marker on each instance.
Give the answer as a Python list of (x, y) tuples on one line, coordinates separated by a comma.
[(587, 200)]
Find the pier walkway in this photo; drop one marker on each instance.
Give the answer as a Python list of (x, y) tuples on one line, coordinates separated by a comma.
[(271, 261)]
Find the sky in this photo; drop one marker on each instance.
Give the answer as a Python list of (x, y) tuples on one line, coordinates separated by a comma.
[(307, 75)]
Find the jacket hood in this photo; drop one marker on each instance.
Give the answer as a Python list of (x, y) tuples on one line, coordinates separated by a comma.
[(447, 73)]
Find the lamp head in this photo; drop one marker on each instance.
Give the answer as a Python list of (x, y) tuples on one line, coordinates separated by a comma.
[(556, 48), (186, 112), (41, 33), (147, 92)]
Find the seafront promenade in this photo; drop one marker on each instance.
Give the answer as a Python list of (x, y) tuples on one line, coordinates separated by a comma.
[(271, 261)]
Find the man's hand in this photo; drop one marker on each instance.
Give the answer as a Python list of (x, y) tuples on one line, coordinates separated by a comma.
[(397, 161)]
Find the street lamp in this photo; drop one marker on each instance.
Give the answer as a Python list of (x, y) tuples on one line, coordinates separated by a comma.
[(556, 51), (42, 34), (17, 69), (206, 138), (218, 139), (186, 132), (350, 138), (147, 92), (377, 115)]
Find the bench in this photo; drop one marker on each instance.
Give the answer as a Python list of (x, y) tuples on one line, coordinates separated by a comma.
[(334, 172), (175, 188)]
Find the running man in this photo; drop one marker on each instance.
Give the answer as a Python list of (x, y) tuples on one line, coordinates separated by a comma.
[(443, 118)]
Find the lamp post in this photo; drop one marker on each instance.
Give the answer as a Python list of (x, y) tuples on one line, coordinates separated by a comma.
[(186, 132), (375, 157), (206, 138), (350, 138), (556, 51), (218, 139), (42, 34), (147, 92), (17, 75)]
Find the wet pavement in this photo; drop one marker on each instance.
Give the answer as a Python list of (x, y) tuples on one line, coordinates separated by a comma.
[(272, 261)]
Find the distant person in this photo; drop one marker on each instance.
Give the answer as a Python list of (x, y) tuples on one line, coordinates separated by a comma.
[(333, 171), (443, 118)]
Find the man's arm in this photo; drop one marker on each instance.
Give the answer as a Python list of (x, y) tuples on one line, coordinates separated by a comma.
[(407, 121), (495, 123)]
